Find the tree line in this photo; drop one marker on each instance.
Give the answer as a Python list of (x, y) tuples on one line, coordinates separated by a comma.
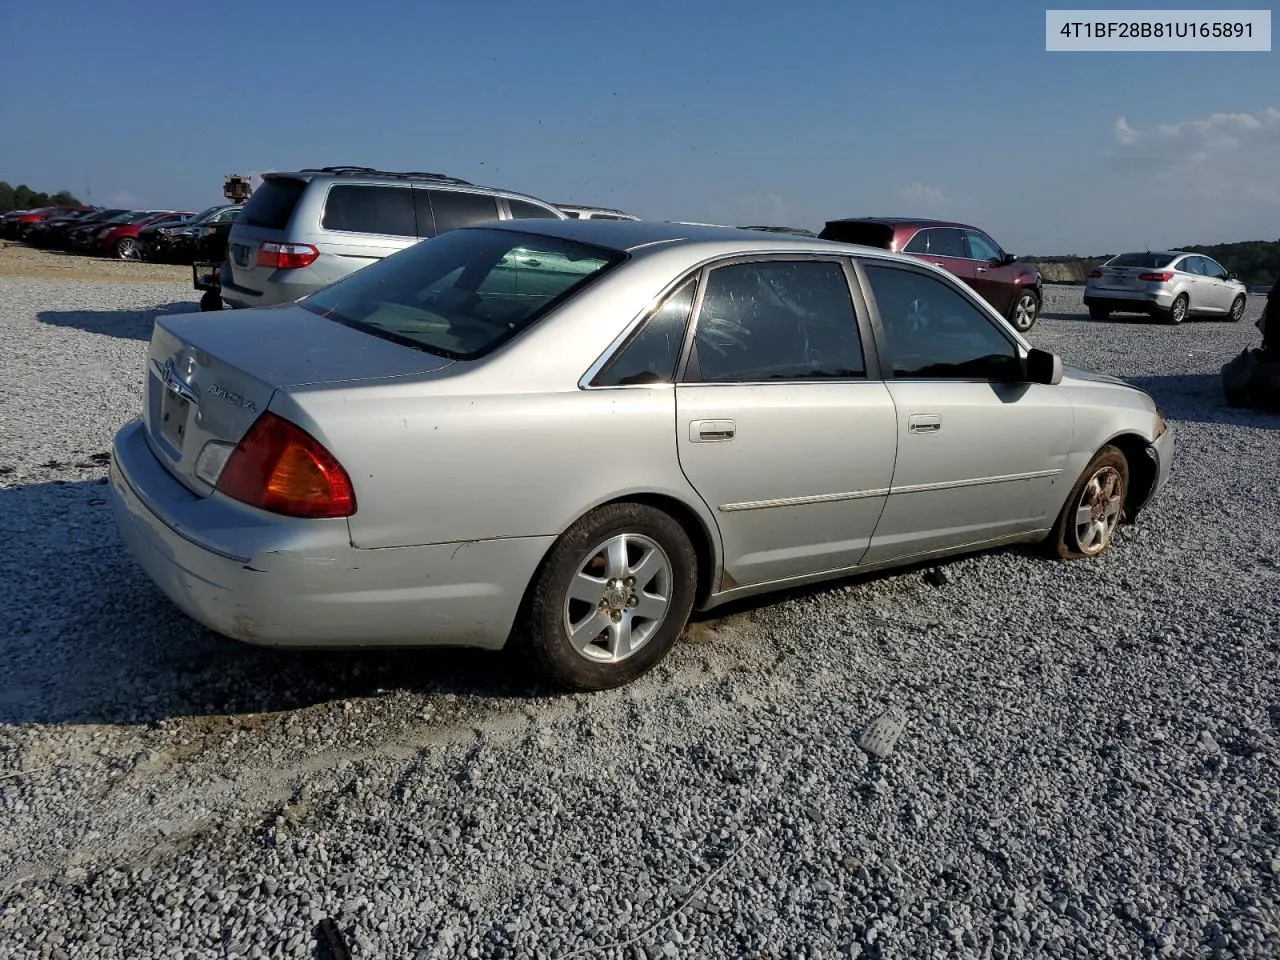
[(23, 197)]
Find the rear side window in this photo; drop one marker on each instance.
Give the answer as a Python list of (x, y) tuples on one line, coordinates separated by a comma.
[(272, 204), (361, 209), (456, 208), (523, 210), (650, 356), (919, 243)]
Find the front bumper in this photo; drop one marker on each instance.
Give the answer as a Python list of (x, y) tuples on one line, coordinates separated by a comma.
[(1161, 451), (279, 581)]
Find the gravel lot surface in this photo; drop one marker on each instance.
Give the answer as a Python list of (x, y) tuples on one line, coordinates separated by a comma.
[(1090, 763)]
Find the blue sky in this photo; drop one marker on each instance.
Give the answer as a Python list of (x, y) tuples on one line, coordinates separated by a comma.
[(729, 112)]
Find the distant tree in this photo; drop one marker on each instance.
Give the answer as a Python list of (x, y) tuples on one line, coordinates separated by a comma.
[(23, 197)]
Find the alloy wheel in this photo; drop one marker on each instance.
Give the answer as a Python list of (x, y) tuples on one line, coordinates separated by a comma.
[(1024, 313), (618, 598), (1098, 510)]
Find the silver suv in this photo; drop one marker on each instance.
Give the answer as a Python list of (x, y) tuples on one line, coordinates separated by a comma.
[(302, 231)]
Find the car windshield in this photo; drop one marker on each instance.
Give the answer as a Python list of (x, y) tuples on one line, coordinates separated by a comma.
[(1148, 261), (204, 215), (465, 292)]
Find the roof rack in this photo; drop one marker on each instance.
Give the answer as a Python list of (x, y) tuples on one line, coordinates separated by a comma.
[(372, 171)]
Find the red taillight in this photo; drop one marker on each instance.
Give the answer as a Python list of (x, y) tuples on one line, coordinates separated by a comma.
[(280, 467), (1155, 277), (1095, 274), (287, 256)]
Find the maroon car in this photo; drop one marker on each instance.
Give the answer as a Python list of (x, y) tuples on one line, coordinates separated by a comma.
[(1014, 289)]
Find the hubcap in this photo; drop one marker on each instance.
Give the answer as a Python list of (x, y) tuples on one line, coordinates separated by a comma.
[(1179, 309), (128, 249), (618, 598), (1237, 309), (1098, 512)]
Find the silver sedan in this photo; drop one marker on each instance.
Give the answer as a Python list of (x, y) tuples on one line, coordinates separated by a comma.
[(567, 435), (1170, 284)]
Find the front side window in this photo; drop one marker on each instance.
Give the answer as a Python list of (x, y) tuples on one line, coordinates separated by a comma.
[(464, 293), (776, 320), (652, 352), (935, 332), (1211, 268), (381, 210), (981, 247)]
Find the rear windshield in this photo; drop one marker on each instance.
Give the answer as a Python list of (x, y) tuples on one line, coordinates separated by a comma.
[(866, 234), (464, 293), (271, 205), (1147, 260)]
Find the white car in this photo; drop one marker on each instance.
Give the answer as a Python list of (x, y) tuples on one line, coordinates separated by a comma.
[(1169, 284)]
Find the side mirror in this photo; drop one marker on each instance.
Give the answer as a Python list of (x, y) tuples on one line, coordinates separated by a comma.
[(1231, 276), (1043, 367), (1008, 259)]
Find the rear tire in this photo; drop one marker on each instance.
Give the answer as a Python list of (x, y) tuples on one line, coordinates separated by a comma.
[(1237, 309), (610, 599), (1094, 509), (1177, 311), (1099, 313)]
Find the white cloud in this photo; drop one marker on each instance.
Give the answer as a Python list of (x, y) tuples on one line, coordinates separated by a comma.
[(1192, 143), (122, 198), (921, 198)]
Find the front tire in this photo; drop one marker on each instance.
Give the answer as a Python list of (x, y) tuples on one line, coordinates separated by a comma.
[(1177, 310), (610, 599), (1024, 310), (1237, 309), (127, 249), (1094, 509)]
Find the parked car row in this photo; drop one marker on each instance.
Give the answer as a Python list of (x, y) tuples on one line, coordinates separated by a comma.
[(303, 230), (92, 230)]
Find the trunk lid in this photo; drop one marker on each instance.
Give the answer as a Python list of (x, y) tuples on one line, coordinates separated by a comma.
[(209, 376)]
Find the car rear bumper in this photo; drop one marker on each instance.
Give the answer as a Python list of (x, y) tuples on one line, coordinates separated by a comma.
[(1138, 301), (277, 581), (281, 286)]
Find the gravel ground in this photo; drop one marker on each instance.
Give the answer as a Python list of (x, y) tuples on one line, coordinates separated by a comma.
[(1090, 764)]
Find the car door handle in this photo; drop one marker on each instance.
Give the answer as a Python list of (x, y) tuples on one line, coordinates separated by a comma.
[(711, 431), (980, 269), (924, 423)]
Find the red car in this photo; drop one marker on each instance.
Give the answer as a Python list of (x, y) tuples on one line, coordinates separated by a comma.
[(1014, 289), (17, 224), (120, 240)]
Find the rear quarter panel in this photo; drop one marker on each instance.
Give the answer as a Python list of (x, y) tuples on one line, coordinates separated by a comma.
[(433, 462)]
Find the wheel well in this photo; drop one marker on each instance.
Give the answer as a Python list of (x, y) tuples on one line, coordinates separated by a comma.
[(1142, 472)]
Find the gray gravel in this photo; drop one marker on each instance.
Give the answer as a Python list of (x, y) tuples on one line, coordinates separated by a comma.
[(1088, 764)]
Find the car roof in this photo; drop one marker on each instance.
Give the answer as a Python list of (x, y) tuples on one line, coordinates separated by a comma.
[(905, 222), (1157, 253), (626, 236)]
